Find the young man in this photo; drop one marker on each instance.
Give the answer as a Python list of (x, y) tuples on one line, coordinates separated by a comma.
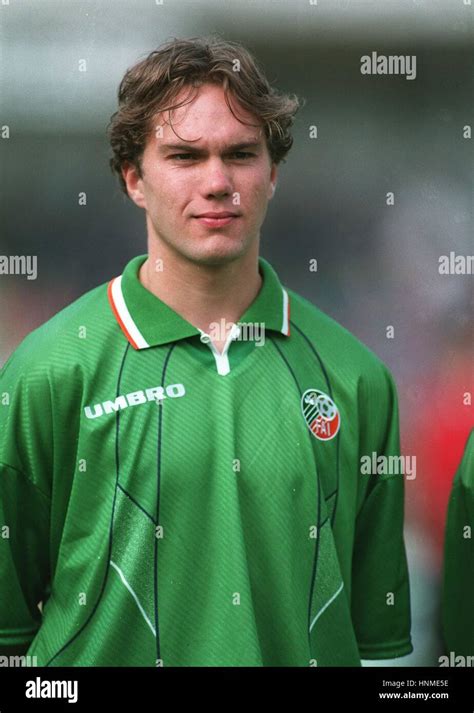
[(180, 459)]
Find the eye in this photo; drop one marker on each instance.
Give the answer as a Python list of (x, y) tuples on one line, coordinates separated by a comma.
[(182, 156), (243, 154), (240, 155)]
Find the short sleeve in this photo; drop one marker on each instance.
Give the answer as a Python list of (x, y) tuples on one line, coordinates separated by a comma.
[(380, 584), (458, 569)]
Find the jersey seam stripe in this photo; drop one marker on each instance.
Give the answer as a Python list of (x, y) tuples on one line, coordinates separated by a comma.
[(140, 507), (27, 478), (318, 517), (329, 387), (107, 568), (315, 564), (328, 603), (135, 597), (158, 498)]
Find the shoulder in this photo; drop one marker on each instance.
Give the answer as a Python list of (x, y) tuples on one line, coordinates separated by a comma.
[(65, 338), (338, 349)]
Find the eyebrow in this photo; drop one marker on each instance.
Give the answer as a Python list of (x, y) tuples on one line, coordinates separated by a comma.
[(194, 149)]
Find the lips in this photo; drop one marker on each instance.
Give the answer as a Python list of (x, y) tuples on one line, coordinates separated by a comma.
[(222, 214), (214, 219)]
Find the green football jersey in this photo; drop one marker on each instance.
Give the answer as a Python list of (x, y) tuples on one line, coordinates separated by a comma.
[(171, 505), (458, 579)]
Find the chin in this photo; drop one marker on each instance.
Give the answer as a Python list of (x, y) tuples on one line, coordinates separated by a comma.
[(223, 252), (215, 260)]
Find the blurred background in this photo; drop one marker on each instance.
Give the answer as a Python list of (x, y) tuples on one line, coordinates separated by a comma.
[(377, 263)]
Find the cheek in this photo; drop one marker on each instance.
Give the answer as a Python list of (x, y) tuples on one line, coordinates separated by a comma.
[(177, 190), (164, 193), (258, 195), (255, 189)]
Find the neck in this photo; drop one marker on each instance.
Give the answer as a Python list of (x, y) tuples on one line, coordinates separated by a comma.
[(203, 294)]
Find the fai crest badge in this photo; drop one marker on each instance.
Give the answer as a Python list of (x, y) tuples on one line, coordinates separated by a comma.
[(321, 414)]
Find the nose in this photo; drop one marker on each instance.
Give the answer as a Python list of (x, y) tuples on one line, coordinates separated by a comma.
[(216, 179)]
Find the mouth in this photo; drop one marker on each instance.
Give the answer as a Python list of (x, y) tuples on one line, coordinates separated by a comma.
[(216, 220)]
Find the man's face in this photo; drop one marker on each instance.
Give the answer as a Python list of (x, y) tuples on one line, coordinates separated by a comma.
[(228, 169)]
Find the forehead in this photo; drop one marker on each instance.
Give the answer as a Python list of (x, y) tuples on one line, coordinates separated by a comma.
[(207, 117)]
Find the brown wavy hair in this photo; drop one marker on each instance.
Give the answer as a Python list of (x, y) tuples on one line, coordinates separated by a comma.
[(152, 85)]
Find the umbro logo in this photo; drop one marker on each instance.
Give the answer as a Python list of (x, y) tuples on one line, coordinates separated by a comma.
[(135, 398)]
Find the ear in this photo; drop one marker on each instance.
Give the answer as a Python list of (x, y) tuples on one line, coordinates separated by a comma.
[(134, 184), (273, 181)]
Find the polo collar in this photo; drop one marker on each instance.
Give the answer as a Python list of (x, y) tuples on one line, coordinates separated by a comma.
[(147, 321)]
